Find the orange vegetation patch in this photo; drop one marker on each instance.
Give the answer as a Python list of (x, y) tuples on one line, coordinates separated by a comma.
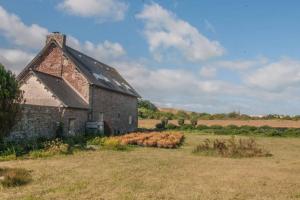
[(153, 139)]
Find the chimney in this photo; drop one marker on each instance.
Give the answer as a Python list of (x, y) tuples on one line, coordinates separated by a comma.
[(58, 37)]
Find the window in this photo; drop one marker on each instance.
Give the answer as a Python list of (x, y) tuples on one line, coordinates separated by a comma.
[(130, 120), (101, 117), (119, 115), (71, 126)]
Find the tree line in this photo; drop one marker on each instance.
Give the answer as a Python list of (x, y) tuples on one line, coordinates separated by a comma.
[(147, 110)]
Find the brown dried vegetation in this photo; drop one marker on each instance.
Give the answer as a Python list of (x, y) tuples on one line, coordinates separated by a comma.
[(153, 139), (232, 147)]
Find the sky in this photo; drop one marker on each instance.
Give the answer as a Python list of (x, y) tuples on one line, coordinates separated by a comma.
[(211, 56)]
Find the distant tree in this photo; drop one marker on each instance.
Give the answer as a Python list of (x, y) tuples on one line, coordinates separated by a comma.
[(164, 121), (233, 115), (194, 121), (11, 98), (181, 121), (146, 104), (182, 114)]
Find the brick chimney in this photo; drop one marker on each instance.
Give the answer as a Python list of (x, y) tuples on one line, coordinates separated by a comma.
[(58, 37)]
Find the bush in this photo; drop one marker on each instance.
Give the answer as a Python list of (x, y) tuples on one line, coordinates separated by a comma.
[(194, 122), (114, 144), (159, 126), (202, 127), (99, 141), (187, 127), (10, 177), (110, 143), (51, 148), (216, 127), (181, 121), (164, 121), (11, 99), (232, 127), (231, 148), (8, 154), (57, 147), (171, 126)]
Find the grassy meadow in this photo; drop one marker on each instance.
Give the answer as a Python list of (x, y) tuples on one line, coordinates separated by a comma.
[(155, 173)]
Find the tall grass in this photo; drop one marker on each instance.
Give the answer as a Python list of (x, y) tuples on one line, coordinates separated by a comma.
[(11, 177), (236, 148)]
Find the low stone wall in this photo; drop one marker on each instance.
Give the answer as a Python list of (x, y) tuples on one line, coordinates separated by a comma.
[(37, 121), (43, 121)]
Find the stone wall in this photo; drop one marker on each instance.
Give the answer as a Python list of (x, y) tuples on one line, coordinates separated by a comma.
[(35, 93), (55, 63), (42, 121), (75, 79), (37, 121), (116, 109), (51, 61), (80, 116)]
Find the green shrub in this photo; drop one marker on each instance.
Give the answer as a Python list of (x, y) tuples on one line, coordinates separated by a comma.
[(171, 126), (202, 127), (181, 121), (108, 143), (11, 177), (231, 148), (194, 121), (114, 144), (216, 127), (164, 121), (96, 141), (40, 154), (187, 127), (231, 126), (159, 126), (11, 100), (51, 148), (57, 147), (8, 154)]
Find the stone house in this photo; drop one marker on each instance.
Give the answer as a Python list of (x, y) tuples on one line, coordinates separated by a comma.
[(64, 86)]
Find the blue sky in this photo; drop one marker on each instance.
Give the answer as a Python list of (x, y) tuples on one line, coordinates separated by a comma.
[(207, 56)]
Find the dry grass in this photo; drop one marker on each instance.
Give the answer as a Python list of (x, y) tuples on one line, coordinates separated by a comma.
[(232, 147), (155, 173), (12, 177), (153, 139), (150, 123)]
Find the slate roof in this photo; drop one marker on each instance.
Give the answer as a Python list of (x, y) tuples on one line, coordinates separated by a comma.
[(99, 73), (61, 90)]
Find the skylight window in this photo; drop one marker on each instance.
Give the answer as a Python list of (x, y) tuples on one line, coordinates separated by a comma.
[(117, 82), (127, 86), (101, 77)]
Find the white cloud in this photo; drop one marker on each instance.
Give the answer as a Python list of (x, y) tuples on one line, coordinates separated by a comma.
[(276, 76), (208, 72), (34, 36), (102, 10), (15, 59), (240, 65), (105, 51), (16, 31), (165, 31)]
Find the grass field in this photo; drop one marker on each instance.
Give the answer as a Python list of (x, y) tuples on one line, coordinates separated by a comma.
[(152, 173), (150, 123)]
